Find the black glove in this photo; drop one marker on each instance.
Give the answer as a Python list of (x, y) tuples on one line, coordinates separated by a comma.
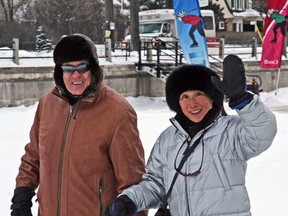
[(123, 206), (21, 201), (234, 83)]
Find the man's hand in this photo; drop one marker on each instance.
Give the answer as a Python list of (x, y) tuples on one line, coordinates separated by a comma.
[(21, 201), (122, 206)]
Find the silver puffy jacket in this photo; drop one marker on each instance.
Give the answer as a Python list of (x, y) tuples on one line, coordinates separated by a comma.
[(220, 187)]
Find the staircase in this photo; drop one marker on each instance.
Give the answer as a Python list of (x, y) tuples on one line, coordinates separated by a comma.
[(161, 61)]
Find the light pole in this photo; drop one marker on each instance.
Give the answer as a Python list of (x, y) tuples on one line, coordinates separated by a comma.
[(109, 17)]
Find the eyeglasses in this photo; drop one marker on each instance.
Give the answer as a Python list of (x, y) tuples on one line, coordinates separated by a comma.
[(68, 69), (198, 171)]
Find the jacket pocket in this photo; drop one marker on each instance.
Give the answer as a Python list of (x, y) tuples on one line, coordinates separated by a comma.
[(100, 196), (221, 172)]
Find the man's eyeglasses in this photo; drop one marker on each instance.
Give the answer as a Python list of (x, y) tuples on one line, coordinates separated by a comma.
[(68, 69)]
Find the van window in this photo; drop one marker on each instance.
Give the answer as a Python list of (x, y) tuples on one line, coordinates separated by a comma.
[(150, 28), (166, 28), (208, 22)]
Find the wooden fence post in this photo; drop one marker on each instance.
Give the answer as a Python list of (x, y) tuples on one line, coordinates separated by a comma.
[(108, 50), (16, 50), (254, 47), (221, 48), (149, 51)]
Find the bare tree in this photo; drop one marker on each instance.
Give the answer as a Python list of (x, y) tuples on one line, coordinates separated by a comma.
[(120, 23), (18, 23), (134, 24), (169, 4), (10, 7), (24, 11), (259, 5), (156, 4), (62, 17)]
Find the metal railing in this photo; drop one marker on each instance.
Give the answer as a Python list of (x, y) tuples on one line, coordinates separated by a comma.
[(172, 51), (159, 57)]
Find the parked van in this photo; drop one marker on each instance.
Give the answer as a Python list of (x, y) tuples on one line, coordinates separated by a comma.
[(161, 24)]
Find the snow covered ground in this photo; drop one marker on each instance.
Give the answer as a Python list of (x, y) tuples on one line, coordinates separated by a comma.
[(267, 176)]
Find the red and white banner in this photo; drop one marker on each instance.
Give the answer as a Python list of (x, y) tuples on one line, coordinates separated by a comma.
[(274, 33)]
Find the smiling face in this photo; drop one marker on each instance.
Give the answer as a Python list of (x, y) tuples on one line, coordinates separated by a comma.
[(195, 105), (76, 82)]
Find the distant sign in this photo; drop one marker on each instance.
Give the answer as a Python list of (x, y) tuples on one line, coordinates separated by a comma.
[(112, 26), (100, 50)]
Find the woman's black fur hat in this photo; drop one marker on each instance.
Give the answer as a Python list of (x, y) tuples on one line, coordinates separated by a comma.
[(191, 77), (76, 47)]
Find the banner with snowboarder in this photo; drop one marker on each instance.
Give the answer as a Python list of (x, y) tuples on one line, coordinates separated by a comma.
[(191, 34), (274, 33)]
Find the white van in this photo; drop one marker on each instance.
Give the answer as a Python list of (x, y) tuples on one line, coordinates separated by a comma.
[(161, 23)]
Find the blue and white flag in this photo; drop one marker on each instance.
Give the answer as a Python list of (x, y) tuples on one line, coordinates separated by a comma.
[(190, 26)]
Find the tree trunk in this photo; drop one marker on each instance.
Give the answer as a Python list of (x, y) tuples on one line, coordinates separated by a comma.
[(134, 25), (109, 18), (169, 4)]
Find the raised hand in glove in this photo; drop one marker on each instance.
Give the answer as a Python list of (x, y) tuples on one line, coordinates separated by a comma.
[(21, 201), (234, 83), (180, 15), (123, 206)]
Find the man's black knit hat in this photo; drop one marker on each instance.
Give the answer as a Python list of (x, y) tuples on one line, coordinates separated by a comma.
[(191, 77)]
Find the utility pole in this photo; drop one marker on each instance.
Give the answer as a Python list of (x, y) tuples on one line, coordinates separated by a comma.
[(109, 25), (134, 25)]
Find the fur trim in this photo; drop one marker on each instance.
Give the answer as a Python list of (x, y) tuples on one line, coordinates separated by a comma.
[(76, 47), (191, 77)]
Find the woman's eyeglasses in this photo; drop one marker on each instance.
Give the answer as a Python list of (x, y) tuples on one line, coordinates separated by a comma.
[(68, 69), (198, 171)]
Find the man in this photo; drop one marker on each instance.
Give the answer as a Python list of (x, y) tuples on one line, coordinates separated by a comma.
[(84, 144)]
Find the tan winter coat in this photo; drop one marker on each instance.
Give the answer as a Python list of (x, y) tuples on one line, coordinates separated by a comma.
[(82, 156)]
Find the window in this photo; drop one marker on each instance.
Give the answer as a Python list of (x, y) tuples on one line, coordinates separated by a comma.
[(239, 5), (208, 22), (166, 28), (150, 28), (221, 25), (234, 27)]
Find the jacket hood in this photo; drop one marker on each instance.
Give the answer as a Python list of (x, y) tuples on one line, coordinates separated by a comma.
[(76, 47)]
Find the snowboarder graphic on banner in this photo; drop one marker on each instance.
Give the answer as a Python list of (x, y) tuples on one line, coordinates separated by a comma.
[(280, 23), (196, 24)]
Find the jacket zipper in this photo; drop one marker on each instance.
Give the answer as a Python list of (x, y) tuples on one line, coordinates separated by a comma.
[(100, 196), (61, 160)]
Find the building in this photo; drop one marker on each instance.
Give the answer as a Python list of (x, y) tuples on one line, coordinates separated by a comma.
[(239, 16)]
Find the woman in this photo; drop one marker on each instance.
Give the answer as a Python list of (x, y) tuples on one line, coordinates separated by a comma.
[(212, 179)]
